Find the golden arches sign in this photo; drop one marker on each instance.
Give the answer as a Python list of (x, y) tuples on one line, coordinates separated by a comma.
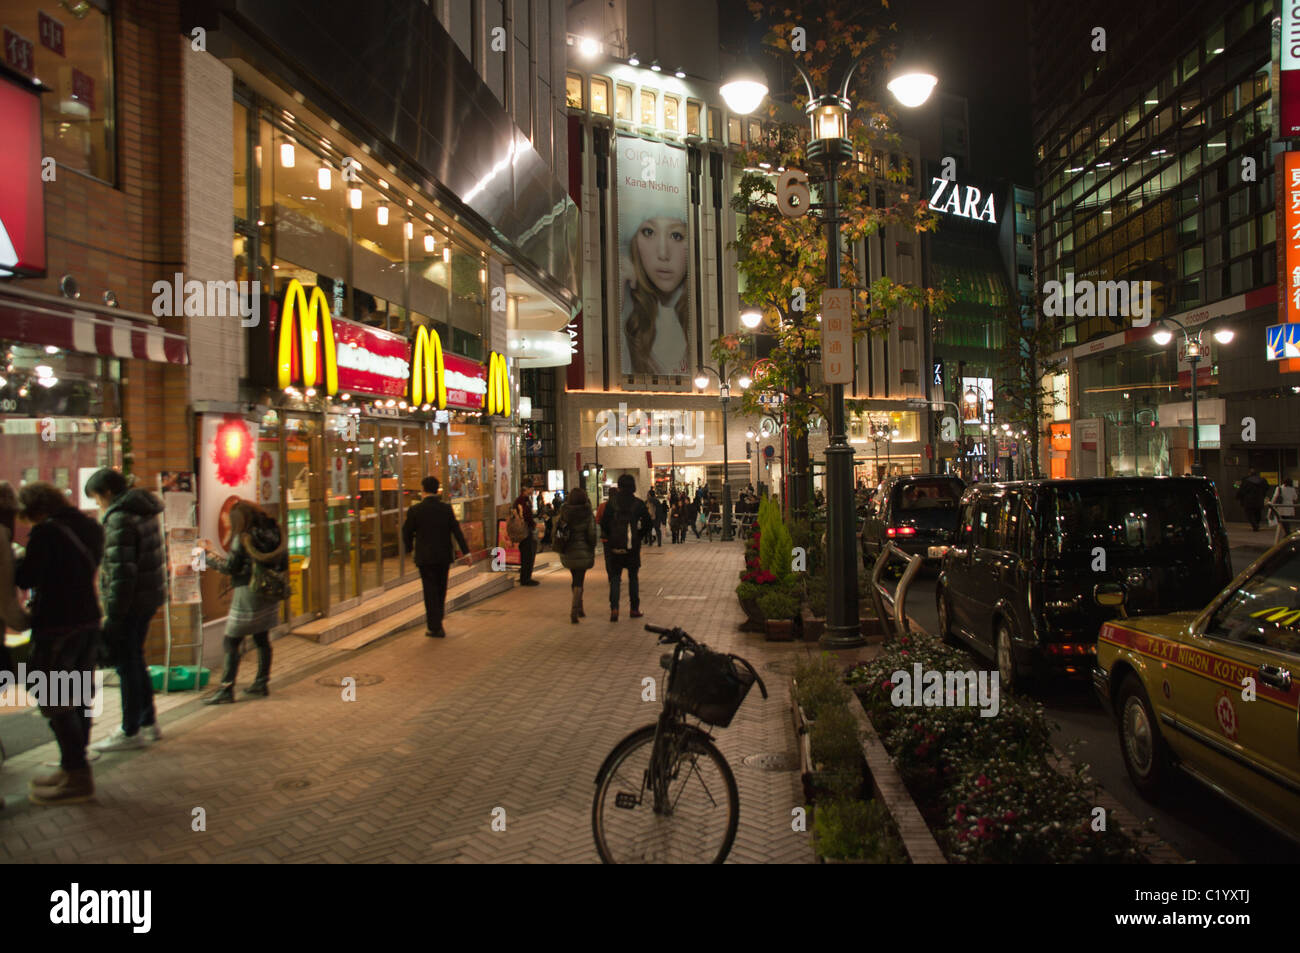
[(307, 313), (497, 400), (428, 375)]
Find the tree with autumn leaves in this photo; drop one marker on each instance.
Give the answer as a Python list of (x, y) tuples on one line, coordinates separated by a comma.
[(783, 260)]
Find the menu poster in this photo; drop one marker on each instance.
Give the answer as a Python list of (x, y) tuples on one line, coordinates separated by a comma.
[(177, 489), (181, 543)]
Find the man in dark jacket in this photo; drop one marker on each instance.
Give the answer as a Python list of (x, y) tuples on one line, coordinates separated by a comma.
[(1251, 494), (428, 531), (60, 564), (133, 584), (621, 525)]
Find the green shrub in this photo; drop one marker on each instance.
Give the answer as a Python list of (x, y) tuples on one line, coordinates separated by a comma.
[(820, 685), (775, 546), (837, 751), (847, 829), (815, 593), (780, 601)]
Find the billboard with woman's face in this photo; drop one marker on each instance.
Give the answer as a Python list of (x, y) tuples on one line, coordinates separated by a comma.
[(654, 245)]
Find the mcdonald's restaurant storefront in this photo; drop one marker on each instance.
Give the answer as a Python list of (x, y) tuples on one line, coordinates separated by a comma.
[(351, 421)]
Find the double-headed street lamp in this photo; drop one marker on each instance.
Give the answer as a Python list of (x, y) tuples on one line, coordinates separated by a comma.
[(976, 397), (830, 145), (724, 394), (1195, 351)]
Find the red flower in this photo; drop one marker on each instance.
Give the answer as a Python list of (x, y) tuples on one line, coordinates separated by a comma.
[(1009, 816), (886, 685), (982, 781)]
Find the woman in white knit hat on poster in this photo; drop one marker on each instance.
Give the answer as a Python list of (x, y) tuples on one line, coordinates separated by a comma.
[(653, 239)]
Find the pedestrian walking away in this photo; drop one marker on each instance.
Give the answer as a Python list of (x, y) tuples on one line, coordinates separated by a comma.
[(1251, 494), (575, 540), (430, 528), (256, 546), (621, 526), (1284, 497), (133, 585), (527, 545), (60, 566), (677, 520)]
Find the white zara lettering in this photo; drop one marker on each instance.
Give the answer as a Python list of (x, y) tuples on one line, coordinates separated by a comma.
[(953, 205), (362, 359)]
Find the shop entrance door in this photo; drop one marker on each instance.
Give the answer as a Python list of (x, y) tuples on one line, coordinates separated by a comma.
[(305, 515)]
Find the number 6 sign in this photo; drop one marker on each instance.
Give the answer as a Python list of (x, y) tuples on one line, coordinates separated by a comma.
[(792, 196)]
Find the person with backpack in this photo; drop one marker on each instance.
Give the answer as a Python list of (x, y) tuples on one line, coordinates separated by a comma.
[(575, 540), (60, 565), (621, 525), (133, 585), (257, 550)]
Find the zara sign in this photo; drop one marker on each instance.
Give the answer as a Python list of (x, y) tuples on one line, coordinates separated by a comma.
[(954, 204)]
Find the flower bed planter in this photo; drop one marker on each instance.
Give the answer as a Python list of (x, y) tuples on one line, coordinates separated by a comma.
[(780, 630), (754, 620), (813, 628)]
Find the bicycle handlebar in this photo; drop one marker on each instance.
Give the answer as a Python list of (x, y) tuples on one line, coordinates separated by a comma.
[(675, 634)]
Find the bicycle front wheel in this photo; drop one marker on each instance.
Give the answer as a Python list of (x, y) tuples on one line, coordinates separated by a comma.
[(691, 820)]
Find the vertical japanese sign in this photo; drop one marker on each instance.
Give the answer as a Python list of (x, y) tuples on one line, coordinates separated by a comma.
[(1291, 176), (1289, 125), (837, 336)]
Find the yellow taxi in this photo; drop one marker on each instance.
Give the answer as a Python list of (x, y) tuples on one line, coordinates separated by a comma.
[(1216, 692)]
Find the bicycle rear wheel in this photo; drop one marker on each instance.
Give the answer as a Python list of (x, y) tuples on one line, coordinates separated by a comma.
[(696, 821)]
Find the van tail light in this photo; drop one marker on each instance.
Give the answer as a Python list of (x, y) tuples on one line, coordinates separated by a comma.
[(892, 531)]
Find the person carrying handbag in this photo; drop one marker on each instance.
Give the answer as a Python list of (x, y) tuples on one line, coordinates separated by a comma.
[(61, 565), (256, 564)]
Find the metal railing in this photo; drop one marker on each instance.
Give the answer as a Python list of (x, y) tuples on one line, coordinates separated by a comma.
[(891, 607)]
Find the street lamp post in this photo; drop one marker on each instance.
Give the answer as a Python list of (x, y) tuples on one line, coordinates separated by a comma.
[(724, 394), (830, 145), (1194, 346), (975, 395)]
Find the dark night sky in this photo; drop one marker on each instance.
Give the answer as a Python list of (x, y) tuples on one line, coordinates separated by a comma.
[(979, 50)]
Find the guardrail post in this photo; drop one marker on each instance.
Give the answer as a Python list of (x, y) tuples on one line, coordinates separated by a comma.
[(900, 597), (877, 600)]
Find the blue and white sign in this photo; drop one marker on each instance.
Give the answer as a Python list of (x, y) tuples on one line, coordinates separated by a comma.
[(1283, 341)]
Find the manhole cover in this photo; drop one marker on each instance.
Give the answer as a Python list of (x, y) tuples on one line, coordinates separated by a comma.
[(780, 667), (783, 761), (293, 784), (336, 681)]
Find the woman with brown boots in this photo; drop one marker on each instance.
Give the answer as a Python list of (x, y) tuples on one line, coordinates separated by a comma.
[(255, 538), (575, 540)]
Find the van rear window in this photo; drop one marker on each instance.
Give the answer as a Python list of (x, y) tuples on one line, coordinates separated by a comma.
[(938, 495), (1127, 518)]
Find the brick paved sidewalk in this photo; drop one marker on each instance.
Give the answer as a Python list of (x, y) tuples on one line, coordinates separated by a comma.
[(516, 710)]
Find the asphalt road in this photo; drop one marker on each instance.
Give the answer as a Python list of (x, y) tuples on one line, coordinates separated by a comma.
[(1199, 824)]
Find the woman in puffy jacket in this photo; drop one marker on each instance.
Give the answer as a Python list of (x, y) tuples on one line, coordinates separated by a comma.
[(577, 528), (255, 537)]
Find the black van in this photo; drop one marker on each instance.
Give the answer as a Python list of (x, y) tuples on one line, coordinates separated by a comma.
[(918, 514), (1020, 582)]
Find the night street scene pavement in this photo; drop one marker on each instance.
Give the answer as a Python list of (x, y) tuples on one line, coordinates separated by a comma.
[(652, 432)]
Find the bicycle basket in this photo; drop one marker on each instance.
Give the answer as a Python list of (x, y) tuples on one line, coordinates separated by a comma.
[(710, 686)]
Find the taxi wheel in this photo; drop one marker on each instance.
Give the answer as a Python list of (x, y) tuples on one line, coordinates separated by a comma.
[(1145, 755)]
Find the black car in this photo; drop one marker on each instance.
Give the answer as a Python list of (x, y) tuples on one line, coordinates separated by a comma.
[(1020, 583), (916, 513)]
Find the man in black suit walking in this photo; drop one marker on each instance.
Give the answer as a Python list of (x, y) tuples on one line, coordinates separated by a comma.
[(432, 525)]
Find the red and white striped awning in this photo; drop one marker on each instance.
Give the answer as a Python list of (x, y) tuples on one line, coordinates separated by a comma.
[(49, 322)]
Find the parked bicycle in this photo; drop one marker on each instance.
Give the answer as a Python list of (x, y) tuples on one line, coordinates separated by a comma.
[(665, 794)]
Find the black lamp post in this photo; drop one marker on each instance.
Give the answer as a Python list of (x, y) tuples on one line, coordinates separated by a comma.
[(829, 146), (1195, 351), (724, 394)]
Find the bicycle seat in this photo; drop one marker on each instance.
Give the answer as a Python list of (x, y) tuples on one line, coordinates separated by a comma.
[(666, 660)]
